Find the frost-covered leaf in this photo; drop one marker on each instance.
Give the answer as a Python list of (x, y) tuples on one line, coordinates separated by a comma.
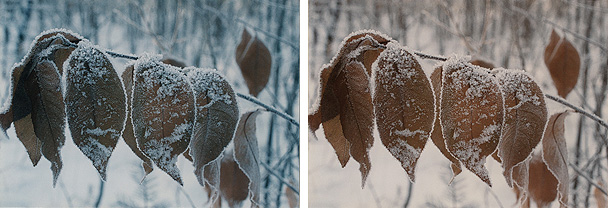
[(162, 113), (246, 153), (217, 114), (543, 185), (29, 78), (563, 61), (212, 180), (482, 63), (471, 114), (173, 62), (521, 181), (233, 181), (403, 104), (128, 134), (345, 105), (437, 135), (43, 87), (95, 104), (525, 116), (254, 60), (555, 154), (24, 127)]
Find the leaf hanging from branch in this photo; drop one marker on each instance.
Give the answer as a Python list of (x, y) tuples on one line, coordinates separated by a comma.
[(36, 105), (247, 155), (95, 104), (253, 57), (471, 114), (403, 102), (563, 61), (543, 185), (555, 154), (345, 105), (217, 114), (128, 134), (233, 181), (525, 114), (162, 113), (482, 63), (437, 135)]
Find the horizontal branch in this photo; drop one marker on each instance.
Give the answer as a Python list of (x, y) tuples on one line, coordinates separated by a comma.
[(280, 178), (578, 110), (269, 108), (246, 97)]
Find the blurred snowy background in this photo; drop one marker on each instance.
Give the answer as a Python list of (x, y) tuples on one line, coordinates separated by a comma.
[(510, 34), (198, 32)]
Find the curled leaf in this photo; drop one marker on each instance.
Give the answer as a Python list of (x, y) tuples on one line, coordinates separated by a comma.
[(403, 102), (525, 114), (345, 105), (246, 154), (555, 154), (36, 105), (128, 134), (563, 61), (162, 113), (95, 104), (253, 57), (436, 134), (217, 114), (471, 114)]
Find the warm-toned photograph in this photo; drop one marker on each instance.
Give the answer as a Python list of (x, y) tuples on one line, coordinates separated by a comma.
[(464, 103)]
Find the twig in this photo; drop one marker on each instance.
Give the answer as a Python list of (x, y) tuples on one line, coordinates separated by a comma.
[(529, 16), (427, 56), (294, 189), (579, 172), (495, 197), (99, 197), (238, 20), (181, 188), (410, 188), (268, 108), (65, 193), (578, 110), (374, 194)]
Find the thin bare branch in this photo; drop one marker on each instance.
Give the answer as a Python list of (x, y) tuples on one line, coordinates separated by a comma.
[(294, 189), (580, 172)]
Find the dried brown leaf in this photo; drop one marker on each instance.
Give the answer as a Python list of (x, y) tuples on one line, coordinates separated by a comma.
[(43, 87), (563, 61), (600, 197), (437, 135), (95, 104), (217, 114), (246, 153), (482, 63), (173, 62), (162, 113), (254, 60), (543, 184), (345, 109), (233, 181), (471, 114), (128, 134), (525, 115), (555, 154), (404, 105)]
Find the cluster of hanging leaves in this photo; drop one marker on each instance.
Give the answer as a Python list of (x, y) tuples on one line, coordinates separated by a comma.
[(160, 108), (469, 109)]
